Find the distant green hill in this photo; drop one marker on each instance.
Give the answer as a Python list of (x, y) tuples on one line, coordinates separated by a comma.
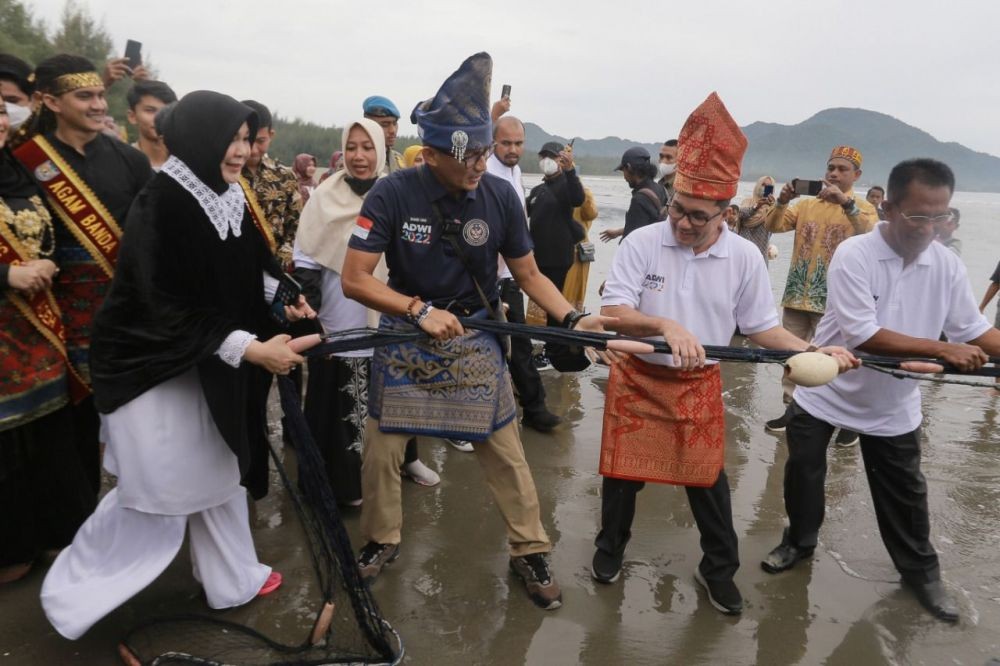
[(800, 151)]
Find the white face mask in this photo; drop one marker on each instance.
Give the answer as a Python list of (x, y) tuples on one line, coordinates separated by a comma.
[(17, 115), (548, 166), (663, 169)]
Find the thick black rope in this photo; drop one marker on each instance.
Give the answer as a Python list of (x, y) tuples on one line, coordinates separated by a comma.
[(364, 338)]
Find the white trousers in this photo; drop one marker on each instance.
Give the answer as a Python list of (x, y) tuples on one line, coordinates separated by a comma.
[(120, 551)]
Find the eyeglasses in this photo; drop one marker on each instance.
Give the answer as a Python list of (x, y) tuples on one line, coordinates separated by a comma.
[(696, 218), (472, 157), (927, 219)]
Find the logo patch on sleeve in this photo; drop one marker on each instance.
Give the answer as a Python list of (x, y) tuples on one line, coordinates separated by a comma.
[(653, 282), (362, 227), (417, 230)]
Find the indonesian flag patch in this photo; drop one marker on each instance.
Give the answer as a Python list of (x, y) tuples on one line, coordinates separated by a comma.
[(362, 227)]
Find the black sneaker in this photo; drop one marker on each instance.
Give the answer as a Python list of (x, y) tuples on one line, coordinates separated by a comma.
[(605, 567), (541, 362), (374, 556), (724, 595), (778, 424), (542, 587), (846, 438), (542, 421)]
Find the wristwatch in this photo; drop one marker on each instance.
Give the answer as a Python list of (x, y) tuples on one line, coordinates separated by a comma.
[(572, 318), (850, 207)]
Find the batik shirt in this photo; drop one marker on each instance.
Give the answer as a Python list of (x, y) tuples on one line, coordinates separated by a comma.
[(277, 191), (820, 226)]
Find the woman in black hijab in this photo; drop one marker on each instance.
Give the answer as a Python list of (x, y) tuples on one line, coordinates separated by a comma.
[(173, 353)]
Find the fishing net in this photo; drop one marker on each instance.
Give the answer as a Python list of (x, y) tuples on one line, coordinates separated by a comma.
[(348, 626)]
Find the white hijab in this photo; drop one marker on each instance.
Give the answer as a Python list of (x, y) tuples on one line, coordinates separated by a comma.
[(330, 215)]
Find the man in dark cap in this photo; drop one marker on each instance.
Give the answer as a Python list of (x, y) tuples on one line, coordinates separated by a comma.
[(648, 196), (89, 181), (550, 212), (384, 112), (442, 228)]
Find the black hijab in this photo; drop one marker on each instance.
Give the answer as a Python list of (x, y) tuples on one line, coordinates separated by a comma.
[(199, 129), (15, 181)]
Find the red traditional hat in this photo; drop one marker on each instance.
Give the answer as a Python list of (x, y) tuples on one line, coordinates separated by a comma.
[(849, 153), (710, 152)]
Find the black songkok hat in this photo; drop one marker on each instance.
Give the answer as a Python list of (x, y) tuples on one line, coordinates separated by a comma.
[(457, 118)]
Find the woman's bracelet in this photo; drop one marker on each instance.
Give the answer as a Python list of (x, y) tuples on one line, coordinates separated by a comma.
[(412, 318)]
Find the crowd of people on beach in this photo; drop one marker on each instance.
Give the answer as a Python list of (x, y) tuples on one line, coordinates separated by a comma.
[(152, 290)]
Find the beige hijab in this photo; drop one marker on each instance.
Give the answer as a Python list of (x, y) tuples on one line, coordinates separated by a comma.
[(329, 217)]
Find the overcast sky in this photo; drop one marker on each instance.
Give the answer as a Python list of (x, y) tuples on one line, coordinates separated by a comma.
[(587, 68)]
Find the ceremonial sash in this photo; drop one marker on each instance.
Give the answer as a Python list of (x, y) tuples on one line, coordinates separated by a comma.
[(41, 310), (257, 215), (74, 202), (662, 424)]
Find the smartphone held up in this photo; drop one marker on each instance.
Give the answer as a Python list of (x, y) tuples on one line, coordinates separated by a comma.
[(808, 187), (133, 53)]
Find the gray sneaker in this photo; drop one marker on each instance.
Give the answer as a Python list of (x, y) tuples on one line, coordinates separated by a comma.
[(542, 587), (374, 556)]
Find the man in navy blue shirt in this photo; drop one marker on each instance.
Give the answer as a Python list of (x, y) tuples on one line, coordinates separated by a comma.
[(456, 385)]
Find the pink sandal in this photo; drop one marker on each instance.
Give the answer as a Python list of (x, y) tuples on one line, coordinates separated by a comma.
[(272, 583)]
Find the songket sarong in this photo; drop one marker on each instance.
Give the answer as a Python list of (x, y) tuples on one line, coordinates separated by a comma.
[(457, 388), (662, 424)]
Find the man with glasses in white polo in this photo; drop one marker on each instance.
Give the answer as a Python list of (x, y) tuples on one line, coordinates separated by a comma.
[(689, 281), (891, 292)]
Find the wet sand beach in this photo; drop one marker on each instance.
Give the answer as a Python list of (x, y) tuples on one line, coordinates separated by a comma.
[(450, 597)]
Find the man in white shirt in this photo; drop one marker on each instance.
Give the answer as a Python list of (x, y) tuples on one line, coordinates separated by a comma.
[(690, 281), (891, 292), (508, 141)]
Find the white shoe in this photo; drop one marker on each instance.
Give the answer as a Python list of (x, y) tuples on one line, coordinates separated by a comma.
[(463, 445), (421, 473)]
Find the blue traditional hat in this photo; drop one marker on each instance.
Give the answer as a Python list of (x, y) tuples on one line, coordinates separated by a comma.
[(380, 107), (457, 118)]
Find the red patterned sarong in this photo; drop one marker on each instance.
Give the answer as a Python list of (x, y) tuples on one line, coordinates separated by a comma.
[(662, 424)]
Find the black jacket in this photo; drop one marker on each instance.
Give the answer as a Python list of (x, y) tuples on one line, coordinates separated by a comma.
[(550, 211), (642, 210)]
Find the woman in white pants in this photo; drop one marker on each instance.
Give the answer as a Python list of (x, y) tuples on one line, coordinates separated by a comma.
[(174, 350)]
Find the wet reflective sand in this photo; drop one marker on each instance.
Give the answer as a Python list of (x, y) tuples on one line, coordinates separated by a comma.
[(452, 600)]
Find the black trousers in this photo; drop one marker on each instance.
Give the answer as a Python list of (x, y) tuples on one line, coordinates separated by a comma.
[(712, 512), (898, 489), (523, 373)]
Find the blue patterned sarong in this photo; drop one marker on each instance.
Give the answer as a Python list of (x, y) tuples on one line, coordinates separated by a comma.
[(457, 388)]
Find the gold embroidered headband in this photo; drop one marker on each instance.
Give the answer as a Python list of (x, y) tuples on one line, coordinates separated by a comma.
[(70, 82)]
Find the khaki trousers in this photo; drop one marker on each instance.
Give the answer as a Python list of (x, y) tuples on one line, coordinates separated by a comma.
[(502, 459), (801, 324)]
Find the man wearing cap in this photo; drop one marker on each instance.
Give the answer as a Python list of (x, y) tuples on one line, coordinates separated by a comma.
[(820, 225), (649, 197), (689, 281), (508, 146), (384, 112), (892, 293), (454, 217), (550, 211)]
